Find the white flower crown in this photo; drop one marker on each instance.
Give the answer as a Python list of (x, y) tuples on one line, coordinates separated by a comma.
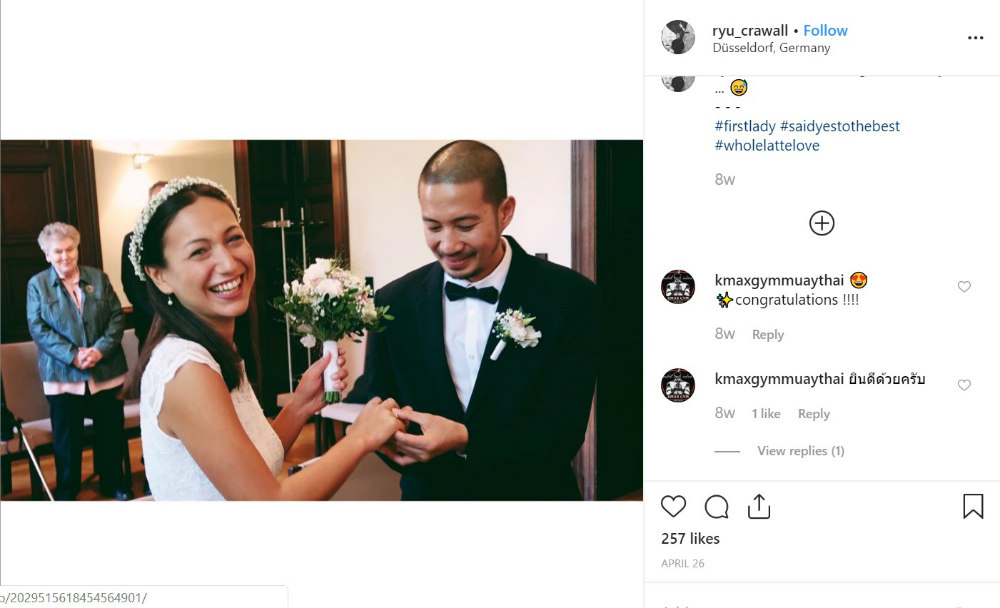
[(173, 187)]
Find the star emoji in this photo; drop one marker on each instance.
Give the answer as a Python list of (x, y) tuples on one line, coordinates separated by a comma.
[(724, 300)]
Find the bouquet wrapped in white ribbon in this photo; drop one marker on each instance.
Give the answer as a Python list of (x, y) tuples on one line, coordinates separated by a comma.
[(327, 304)]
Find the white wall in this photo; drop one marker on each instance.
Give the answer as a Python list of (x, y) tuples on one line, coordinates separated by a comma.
[(122, 189), (385, 228)]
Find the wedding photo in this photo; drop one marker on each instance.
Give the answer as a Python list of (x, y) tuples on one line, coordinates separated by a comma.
[(359, 320)]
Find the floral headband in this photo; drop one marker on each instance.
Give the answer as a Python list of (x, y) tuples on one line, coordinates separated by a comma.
[(173, 187)]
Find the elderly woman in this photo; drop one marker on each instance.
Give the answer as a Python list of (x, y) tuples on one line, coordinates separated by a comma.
[(76, 320)]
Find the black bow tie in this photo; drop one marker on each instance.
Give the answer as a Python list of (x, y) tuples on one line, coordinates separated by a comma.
[(454, 291)]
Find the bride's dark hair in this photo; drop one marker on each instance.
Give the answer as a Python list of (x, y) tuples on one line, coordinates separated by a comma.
[(178, 320)]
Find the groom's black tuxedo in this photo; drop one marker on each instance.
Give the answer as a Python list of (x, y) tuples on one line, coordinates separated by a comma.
[(529, 409)]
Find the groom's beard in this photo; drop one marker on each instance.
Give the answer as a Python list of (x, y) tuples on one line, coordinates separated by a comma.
[(463, 273), (479, 265)]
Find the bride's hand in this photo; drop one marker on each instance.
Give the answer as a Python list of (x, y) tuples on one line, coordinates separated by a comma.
[(376, 423), (309, 393)]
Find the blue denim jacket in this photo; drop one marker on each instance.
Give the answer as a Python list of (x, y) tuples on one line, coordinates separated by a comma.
[(60, 330)]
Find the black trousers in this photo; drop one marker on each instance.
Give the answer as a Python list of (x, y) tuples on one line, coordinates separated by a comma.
[(108, 414)]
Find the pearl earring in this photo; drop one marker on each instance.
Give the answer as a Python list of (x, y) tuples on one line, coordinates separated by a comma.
[(170, 301)]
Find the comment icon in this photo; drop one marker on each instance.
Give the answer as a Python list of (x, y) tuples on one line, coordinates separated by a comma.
[(717, 507)]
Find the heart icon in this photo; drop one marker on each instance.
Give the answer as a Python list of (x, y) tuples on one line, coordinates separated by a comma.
[(673, 505), (964, 285), (964, 384)]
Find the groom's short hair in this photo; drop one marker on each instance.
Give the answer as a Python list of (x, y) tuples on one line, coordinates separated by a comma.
[(465, 161)]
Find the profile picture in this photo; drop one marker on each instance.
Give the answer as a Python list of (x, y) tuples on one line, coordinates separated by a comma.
[(677, 83), (677, 385), (677, 37), (677, 286)]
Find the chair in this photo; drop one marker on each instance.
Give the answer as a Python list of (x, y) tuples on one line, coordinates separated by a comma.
[(130, 344), (23, 394), (22, 387)]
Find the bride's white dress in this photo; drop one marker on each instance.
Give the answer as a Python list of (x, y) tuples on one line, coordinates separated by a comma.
[(170, 469)]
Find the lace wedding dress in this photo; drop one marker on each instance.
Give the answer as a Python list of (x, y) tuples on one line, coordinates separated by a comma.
[(171, 471)]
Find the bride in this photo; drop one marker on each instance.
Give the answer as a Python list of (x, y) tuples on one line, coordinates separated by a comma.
[(203, 432)]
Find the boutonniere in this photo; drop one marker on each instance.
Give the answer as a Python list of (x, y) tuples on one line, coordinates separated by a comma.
[(513, 326), (89, 289)]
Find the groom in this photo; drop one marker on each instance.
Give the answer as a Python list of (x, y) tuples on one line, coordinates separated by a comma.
[(479, 428)]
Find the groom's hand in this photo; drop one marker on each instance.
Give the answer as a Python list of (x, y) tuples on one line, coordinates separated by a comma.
[(388, 449), (440, 435)]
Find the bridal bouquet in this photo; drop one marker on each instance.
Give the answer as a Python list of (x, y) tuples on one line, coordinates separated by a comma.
[(328, 304)]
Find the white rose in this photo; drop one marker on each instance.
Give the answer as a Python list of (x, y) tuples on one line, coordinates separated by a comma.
[(518, 332), (330, 287), (308, 341), (313, 275), (531, 340)]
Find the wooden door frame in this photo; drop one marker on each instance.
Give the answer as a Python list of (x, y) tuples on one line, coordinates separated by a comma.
[(341, 228), (339, 171), (241, 166), (82, 183), (241, 161), (583, 158)]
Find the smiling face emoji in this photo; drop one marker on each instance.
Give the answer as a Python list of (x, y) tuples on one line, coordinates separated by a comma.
[(859, 280), (739, 87)]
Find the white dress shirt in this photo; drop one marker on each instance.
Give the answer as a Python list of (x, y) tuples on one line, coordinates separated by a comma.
[(467, 325)]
